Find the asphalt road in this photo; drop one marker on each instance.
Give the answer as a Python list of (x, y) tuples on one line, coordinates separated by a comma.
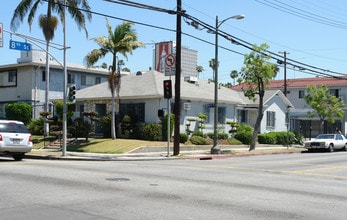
[(289, 186)]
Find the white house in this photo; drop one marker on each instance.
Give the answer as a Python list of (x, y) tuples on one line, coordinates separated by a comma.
[(299, 120), (141, 95)]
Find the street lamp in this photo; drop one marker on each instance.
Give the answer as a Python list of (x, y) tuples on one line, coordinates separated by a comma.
[(215, 149)]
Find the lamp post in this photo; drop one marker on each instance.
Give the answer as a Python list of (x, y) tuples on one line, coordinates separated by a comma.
[(215, 149)]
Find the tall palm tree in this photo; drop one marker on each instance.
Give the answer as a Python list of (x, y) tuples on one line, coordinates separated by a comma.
[(49, 23), (122, 40), (199, 69)]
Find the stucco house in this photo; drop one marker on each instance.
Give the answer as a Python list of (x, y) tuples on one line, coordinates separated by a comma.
[(296, 91), (141, 95)]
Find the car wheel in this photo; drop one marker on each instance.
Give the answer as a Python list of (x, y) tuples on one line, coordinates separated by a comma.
[(345, 147), (18, 156), (331, 148)]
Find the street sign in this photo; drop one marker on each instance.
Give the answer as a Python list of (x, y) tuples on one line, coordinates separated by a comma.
[(16, 45), (1, 35), (170, 67)]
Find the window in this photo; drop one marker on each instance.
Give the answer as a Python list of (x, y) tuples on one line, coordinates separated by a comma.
[(334, 92), (43, 76), (12, 76), (8, 78), (70, 78), (83, 80), (97, 80), (301, 94), (221, 115), (242, 116), (270, 119), (136, 111)]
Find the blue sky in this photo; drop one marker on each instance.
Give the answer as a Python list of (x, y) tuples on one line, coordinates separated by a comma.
[(312, 32)]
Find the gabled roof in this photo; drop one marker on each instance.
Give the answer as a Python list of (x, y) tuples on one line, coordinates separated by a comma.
[(269, 94), (150, 85)]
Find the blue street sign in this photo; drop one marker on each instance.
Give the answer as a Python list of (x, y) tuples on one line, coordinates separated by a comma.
[(15, 45)]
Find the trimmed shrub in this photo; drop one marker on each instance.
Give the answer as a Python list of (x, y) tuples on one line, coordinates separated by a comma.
[(268, 138), (234, 141), (152, 132), (223, 136), (198, 133), (244, 134), (281, 138), (198, 140), (36, 126), (183, 138)]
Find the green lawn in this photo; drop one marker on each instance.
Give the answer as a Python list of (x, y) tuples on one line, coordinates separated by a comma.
[(104, 145)]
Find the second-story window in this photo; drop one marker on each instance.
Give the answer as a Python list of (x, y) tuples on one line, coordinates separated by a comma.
[(70, 78), (334, 92), (12, 76), (83, 80), (301, 94)]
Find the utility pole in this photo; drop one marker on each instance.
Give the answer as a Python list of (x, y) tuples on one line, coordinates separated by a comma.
[(285, 70), (177, 107)]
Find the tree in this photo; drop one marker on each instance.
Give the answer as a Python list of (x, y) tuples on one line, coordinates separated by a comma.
[(122, 40), (49, 23), (199, 69), (19, 111), (323, 104), (256, 75), (234, 74)]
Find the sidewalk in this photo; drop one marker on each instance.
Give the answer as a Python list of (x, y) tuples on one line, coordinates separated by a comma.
[(160, 153)]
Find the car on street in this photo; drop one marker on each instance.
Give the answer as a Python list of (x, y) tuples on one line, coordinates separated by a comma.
[(328, 142), (15, 139)]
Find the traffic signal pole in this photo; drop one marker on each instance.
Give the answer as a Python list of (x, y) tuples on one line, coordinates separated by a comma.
[(168, 126)]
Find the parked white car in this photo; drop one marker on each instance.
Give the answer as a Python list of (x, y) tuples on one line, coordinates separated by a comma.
[(15, 139), (329, 142)]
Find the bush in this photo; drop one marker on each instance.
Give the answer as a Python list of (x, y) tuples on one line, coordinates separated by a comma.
[(18, 111), (152, 132), (282, 138), (234, 141), (183, 138), (221, 136), (198, 133), (268, 138), (244, 134), (198, 140), (36, 126)]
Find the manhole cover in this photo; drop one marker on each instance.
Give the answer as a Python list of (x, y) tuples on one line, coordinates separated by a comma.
[(118, 179)]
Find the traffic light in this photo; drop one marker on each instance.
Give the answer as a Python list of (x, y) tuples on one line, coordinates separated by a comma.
[(167, 89), (72, 93)]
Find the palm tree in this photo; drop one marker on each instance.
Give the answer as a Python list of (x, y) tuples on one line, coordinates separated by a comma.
[(122, 40), (199, 69), (234, 74), (49, 23)]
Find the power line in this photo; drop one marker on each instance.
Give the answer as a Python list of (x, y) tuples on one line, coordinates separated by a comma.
[(195, 21)]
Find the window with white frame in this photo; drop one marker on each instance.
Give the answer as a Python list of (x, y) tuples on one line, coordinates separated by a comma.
[(270, 119)]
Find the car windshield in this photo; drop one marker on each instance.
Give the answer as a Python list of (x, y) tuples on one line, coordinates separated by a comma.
[(13, 128), (325, 136)]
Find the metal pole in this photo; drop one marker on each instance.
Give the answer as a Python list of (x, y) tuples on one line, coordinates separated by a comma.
[(168, 126), (215, 149), (65, 87)]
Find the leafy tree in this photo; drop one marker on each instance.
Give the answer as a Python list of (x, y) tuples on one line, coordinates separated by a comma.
[(19, 111), (256, 75), (323, 104), (122, 40), (49, 23)]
